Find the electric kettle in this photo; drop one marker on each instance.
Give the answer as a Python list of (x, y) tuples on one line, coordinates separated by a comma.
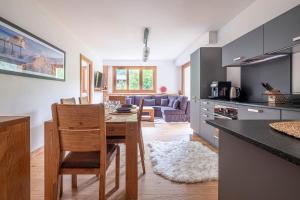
[(235, 93)]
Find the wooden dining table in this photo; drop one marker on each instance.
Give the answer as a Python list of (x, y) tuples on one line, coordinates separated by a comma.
[(117, 126)]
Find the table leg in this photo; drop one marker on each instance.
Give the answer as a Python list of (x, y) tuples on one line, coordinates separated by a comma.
[(152, 116), (51, 162), (131, 161)]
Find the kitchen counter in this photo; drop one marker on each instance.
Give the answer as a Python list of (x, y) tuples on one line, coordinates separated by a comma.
[(292, 107), (259, 133), (256, 162)]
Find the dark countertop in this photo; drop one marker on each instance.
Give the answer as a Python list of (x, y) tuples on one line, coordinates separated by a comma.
[(260, 134), (292, 107)]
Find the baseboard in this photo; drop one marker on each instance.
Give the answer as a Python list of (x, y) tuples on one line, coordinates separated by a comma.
[(37, 152), (194, 137)]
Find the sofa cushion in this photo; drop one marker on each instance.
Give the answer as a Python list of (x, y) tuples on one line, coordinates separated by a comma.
[(164, 102), (149, 102), (158, 99), (129, 100), (176, 104), (137, 99), (171, 111), (171, 100), (183, 102)]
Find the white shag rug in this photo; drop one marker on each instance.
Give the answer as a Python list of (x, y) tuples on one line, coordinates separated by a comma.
[(184, 161)]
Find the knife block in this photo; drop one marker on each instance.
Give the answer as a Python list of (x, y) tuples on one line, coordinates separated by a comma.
[(275, 97)]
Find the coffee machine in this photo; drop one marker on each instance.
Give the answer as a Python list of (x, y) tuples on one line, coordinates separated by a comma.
[(220, 90)]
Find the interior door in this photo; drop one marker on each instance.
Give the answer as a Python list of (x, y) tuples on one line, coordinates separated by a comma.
[(86, 78)]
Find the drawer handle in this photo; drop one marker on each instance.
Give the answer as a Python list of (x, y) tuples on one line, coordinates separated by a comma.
[(205, 102), (238, 58), (216, 137), (296, 39), (255, 110), (204, 122), (205, 109), (206, 116)]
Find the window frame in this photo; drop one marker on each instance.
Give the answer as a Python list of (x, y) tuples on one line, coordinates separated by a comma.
[(140, 68)]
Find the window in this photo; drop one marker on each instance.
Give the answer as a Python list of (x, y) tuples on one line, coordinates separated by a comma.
[(134, 79)]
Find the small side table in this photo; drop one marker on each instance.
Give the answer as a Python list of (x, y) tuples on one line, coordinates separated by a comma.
[(150, 116)]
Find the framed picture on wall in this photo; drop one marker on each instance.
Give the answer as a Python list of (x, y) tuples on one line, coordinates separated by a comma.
[(24, 54)]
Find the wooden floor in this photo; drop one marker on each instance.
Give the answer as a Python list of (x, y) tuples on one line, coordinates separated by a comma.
[(151, 186)]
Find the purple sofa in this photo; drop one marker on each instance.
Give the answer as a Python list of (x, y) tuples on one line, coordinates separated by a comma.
[(172, 108)]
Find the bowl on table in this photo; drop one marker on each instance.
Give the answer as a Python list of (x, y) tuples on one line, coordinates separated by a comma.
[(123, 110)]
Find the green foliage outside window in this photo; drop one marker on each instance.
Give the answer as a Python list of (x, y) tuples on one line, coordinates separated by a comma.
[(134, 79), (147, 79)]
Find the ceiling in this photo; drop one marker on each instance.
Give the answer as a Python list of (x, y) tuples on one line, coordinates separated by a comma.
[(114, 28)]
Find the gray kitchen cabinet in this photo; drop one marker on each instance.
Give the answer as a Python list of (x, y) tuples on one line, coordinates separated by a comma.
[(283, 31), (195, 116), (258, 113), (207, 132), (206, 67), (290, 115), (248, 46)]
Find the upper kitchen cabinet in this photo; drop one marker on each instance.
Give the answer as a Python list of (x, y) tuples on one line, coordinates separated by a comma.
[(283, 31), (248, 46)]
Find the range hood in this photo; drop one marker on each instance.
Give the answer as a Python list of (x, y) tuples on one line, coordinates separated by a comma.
[(258, 59), (240, 62)]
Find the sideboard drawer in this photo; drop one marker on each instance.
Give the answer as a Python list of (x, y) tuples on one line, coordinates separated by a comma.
[(115, 129)]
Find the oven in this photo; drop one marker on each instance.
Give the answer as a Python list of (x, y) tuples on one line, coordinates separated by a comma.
[(225, 112)]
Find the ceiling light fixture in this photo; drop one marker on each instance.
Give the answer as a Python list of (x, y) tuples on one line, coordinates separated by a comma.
[(146, 49)]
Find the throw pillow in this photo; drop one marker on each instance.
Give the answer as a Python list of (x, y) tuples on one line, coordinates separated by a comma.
[(149, 102), (164, 102), (129, 100), (176, 104), (183, 102), (171, 100)]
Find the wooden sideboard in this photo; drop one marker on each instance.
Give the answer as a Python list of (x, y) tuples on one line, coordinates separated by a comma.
[(15, 158)]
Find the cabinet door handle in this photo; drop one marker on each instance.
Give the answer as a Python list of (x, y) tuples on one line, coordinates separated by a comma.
[(255, 110), (216, 137), (205, 102), (206, 116), (204, 122), (296, 39), (238, 58), (205, 109)]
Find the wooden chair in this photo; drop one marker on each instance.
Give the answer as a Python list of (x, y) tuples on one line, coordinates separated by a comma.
[(113, 139), (81, 131), (68, 101), (141, 140), (122, 99), (84, 100)]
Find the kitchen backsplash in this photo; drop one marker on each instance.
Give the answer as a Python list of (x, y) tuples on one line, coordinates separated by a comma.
[(234, 74)]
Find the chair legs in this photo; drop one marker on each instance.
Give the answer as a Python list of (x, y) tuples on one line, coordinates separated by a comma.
[(102, 177), (74, 181), (102, 193), (117, 170), (142, 152), (61, 182)]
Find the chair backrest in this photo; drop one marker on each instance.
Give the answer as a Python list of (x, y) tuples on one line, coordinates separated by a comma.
[(68, 101), (122, 99), (80, 128), (84, 100)]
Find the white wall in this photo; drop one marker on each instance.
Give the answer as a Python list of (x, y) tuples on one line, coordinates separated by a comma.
[(258, 13), (31, 96), (167, 73)]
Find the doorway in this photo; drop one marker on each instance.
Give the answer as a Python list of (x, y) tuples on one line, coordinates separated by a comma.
[(86, 78), (186, 77)]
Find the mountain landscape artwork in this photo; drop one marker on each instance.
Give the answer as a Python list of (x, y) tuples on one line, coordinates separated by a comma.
[(22, 53)]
